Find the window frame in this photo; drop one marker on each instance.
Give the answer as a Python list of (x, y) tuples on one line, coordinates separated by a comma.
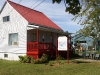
[(9, 41), (6, 18), (5, 55)]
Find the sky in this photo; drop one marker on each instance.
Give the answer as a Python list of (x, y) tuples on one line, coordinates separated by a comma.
[(56, 12)]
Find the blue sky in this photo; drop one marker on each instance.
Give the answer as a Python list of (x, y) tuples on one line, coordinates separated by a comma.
[(56, 12)]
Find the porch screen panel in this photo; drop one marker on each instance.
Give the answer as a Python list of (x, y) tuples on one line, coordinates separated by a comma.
[(43, 37), (33, 36)]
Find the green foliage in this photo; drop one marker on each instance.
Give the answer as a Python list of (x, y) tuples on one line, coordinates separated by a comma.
[(97, 52), (43, 59), (26, 59), (37, 61), (89, 15), (21, 58), (72, 6), (60, 57), (90, 18), (51, 63), (58, 1), (52, 57)]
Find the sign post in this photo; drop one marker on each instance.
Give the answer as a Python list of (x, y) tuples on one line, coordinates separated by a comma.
[(68, 51), (63, 45)]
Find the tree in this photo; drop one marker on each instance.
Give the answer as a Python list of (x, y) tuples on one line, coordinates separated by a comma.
[(90, 19), (89, 13), (72, 6)]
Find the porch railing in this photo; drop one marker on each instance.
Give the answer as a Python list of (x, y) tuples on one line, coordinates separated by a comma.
[(45, 46), (34, 46), (36, 49)]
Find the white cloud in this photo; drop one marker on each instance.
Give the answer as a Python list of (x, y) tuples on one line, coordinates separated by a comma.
[(69, 23)]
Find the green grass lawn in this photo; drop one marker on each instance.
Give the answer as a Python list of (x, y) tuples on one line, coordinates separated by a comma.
[(17, 68)]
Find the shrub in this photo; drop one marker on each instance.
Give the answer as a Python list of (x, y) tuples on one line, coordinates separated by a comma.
[(21, 58), (37, 61), (43, 59), (60, 57), (52, 57), (26, 59)]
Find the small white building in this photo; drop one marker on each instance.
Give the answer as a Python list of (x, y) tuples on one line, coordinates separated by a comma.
[(24, 31)]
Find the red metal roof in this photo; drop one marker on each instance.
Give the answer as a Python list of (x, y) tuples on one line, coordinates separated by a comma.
[(33, 16)]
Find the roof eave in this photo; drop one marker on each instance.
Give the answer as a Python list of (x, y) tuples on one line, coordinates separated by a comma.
[(3, 6), (49, 29), (45, 27)]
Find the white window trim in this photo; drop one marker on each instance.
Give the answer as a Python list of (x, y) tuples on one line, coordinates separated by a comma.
[(6, 18), (9, 40)]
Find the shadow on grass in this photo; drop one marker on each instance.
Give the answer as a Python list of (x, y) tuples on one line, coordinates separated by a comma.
[(79, 61)]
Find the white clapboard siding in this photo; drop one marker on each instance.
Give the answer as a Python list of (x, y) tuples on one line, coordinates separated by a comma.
[(17, 24)]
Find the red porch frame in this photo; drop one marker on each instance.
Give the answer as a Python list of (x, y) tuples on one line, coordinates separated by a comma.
[(36, 49)]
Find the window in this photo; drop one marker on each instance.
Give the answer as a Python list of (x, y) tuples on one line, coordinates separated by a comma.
[(33, 36), (13, 39), (5, 55), (6, 19)]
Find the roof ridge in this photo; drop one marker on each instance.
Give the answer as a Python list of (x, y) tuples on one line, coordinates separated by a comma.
[(23, 6), (34, 16)]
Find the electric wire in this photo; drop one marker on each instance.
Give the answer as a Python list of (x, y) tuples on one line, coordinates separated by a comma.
[(15, 6)]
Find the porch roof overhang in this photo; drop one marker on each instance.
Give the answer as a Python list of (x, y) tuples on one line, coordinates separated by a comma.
[(44, 28)]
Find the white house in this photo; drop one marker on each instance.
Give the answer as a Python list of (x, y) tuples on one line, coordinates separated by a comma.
[(24, 31)]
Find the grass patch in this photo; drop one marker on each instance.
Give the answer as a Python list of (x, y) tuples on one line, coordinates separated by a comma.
[(17, 68)]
